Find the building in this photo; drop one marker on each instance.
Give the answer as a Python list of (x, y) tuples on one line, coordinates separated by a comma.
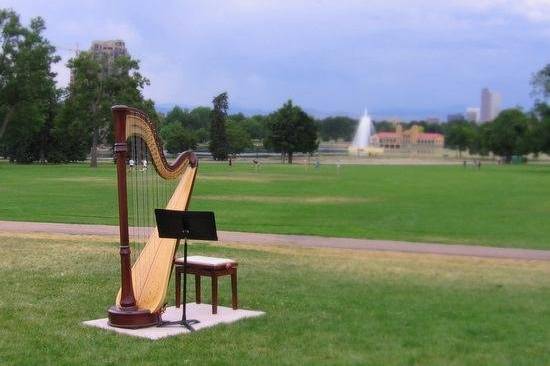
[(411, 140), (433, 120), (105, 51), (108, 51), (490, 105), (472, 114), (455, 117)]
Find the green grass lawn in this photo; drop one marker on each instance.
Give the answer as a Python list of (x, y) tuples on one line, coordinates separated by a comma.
[(497, 206), (322, 307)]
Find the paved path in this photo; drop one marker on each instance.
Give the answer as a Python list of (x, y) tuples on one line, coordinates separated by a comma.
[(300, 240)]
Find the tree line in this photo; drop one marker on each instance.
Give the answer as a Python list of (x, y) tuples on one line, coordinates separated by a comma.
[(286, 131), (41, 122)]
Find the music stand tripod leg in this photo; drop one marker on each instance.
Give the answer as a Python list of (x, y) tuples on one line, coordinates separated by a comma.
[(186, 323)]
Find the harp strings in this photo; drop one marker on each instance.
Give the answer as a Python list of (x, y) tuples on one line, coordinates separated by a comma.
[(146, 191)]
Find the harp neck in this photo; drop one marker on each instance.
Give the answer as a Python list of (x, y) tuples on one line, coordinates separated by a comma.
[(133, 122)]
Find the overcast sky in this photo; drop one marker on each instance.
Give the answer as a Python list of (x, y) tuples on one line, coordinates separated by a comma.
[(396, 57)]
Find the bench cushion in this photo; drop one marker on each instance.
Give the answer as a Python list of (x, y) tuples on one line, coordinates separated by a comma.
[(207, 262)]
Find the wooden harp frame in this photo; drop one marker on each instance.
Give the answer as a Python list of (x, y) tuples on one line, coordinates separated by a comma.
[(126, 313)]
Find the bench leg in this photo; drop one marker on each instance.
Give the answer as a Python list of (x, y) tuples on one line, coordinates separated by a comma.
[(178, 288), (214, 294), (234, 299), (197, 289)]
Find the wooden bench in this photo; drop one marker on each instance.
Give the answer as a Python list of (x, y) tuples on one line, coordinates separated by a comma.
[(210, 267)]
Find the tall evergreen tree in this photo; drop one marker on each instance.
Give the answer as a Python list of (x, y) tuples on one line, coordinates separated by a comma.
[(541, 83), (218, 146)]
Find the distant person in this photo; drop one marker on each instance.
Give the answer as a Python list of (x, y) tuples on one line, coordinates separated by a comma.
[(132, 163), (464, 163), (338, 165), (479, 164), (317, 164), (144, 165), (230, 161)]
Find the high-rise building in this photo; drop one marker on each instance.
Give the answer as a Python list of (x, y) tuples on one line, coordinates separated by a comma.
[(455, 117), (472, 114), (490, 105), (107, 51)]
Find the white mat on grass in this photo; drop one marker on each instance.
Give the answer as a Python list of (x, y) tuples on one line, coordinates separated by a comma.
[(200, 312)]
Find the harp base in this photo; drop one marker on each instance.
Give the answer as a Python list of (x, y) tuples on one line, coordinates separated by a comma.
[(133, 319)]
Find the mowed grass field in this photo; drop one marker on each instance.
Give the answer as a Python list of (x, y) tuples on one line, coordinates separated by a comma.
[(504, 206), (323, 306)]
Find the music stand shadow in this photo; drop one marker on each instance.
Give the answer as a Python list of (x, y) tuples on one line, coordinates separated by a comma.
[(196, 225)]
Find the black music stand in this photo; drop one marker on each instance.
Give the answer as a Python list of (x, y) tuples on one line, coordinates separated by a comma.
[(197, 225)]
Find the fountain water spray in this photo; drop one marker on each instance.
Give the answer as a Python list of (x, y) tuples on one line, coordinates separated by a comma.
[(360, 144), (363, 133)]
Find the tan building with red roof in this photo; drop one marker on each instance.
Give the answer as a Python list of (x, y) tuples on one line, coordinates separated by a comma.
[(411, 140)]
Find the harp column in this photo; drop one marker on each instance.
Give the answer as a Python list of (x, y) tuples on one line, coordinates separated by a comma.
[(127, 315), (127, 299)]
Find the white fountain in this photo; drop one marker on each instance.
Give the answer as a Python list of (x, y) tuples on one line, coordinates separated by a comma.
[(361, 141)]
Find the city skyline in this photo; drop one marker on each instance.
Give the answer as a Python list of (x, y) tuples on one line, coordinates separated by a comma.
[(399, 61)]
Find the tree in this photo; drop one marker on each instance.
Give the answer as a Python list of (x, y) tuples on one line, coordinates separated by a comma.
[(291, 130), (200, 118), (85, 109), (541, 82), (479, 142), (91, 94), (256, 126), (542, 136), (334, 128), (385, 126), (541, 87), (177, 115), (429, 127), (512, 133), (124, 85), (12, 36), (238, 118), (178, 139), (71, 135), (28, 96), (218, 146), (459, 136), (238, 138), (196, 120)]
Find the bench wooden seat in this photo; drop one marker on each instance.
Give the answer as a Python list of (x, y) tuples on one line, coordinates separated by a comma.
[(211, 267)]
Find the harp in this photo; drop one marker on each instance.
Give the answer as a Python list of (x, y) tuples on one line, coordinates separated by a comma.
[(141, 189)]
